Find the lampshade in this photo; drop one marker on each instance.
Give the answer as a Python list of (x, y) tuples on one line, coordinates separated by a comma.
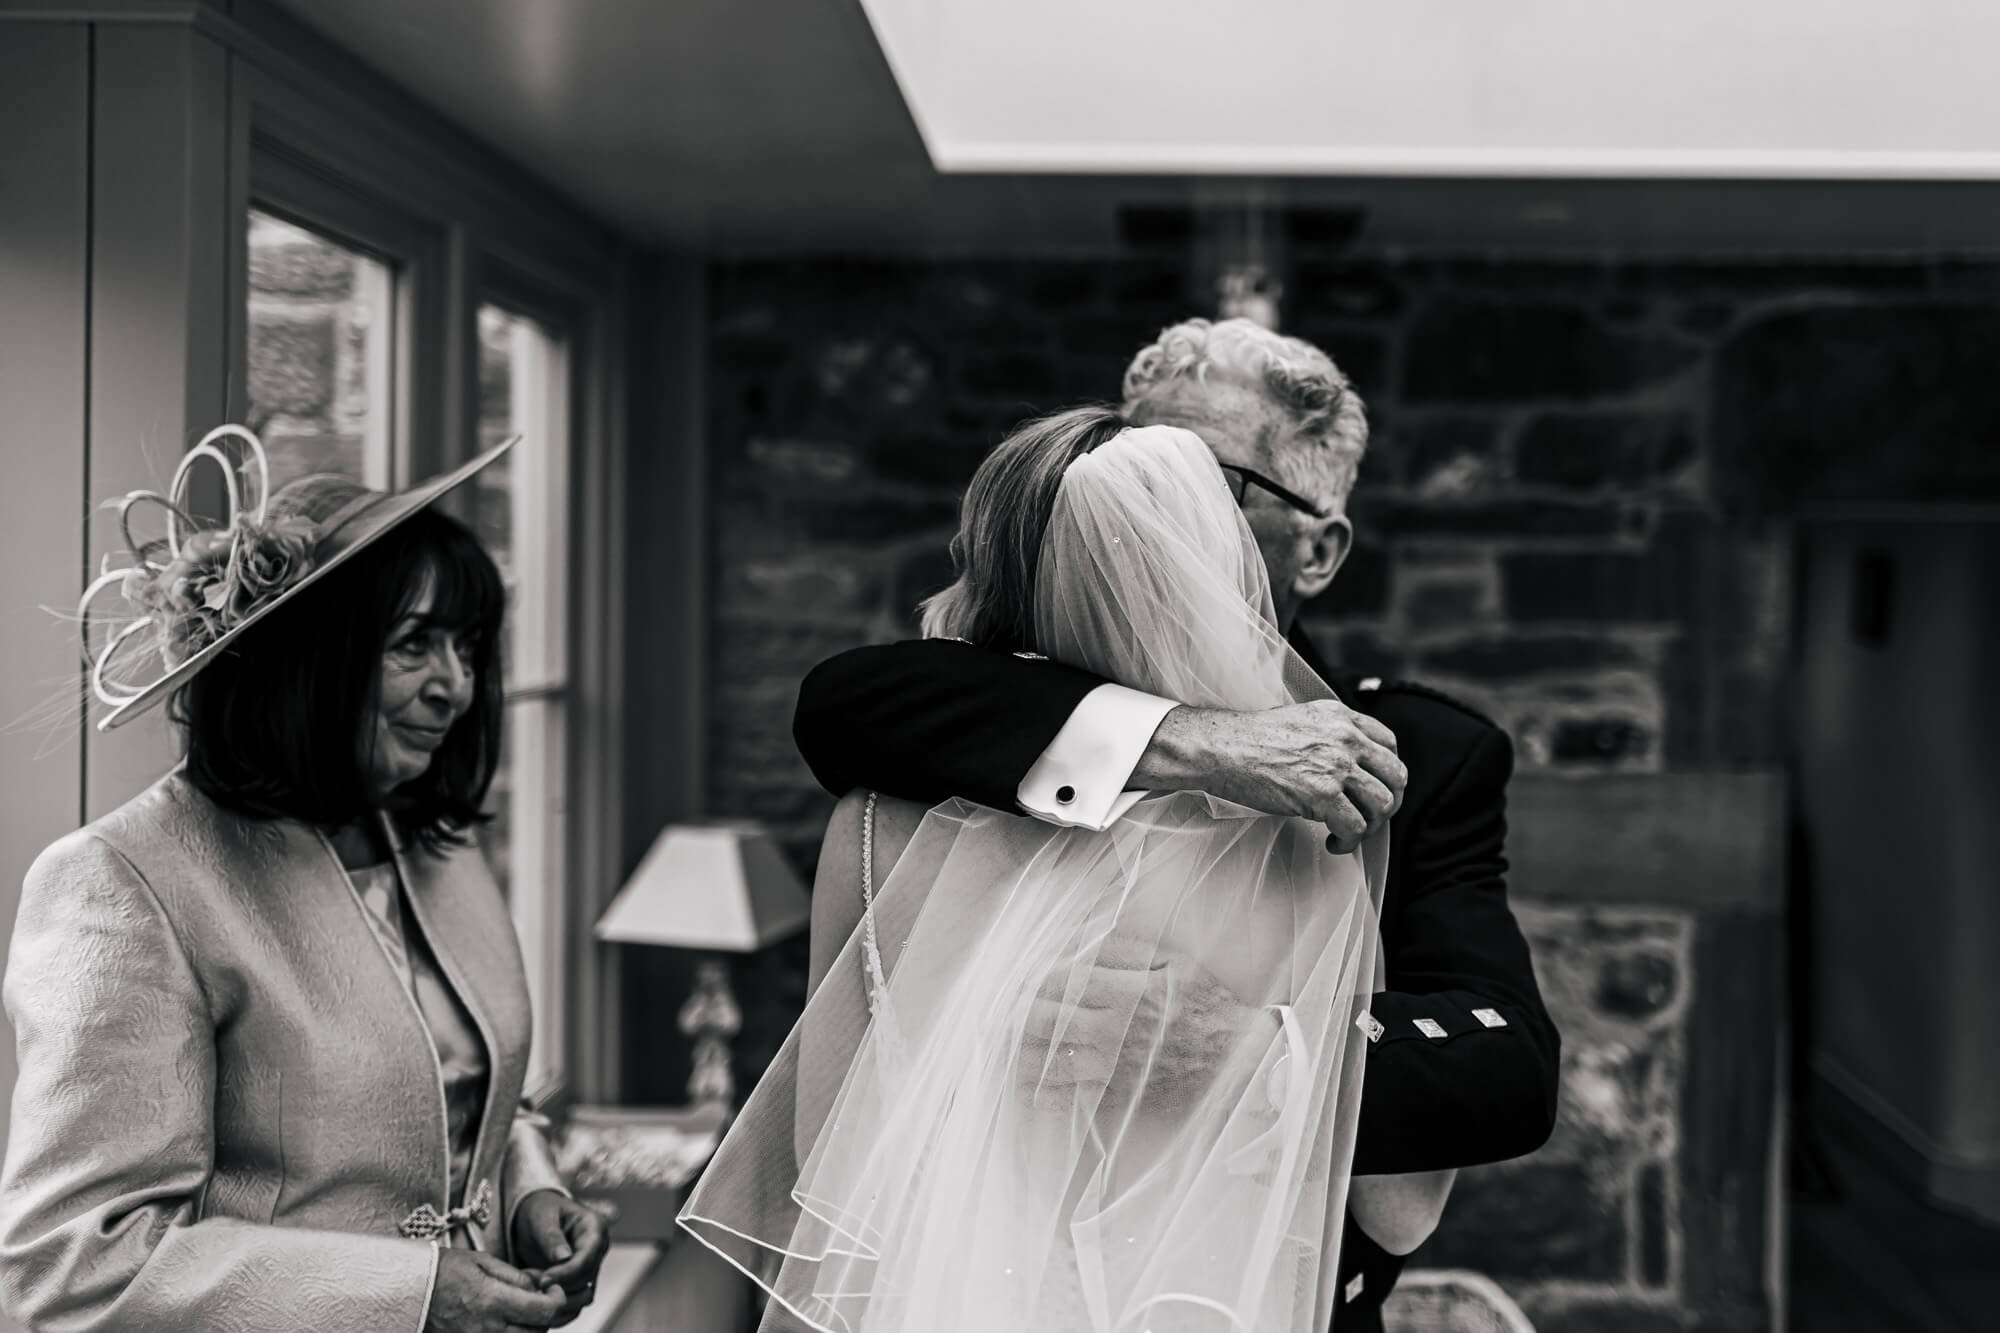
[(708, 886)]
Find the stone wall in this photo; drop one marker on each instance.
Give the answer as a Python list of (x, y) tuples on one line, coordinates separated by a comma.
[(1566, 516), (1574, 515), (307, 346)]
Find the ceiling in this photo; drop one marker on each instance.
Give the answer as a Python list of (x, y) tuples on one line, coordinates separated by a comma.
[(778, 126)]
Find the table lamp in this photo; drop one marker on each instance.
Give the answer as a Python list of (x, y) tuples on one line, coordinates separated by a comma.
[(715, 887)]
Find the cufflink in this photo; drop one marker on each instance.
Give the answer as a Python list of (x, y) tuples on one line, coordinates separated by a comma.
[(1370, 1025), (1430, 1027), (1065, 795), (1370, 683), (1489, 1018), (1354, 1285)]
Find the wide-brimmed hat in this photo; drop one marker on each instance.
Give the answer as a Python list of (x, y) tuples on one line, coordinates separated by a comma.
[(189, 594)]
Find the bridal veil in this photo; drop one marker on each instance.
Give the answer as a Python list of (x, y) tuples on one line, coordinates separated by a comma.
[(951, 1174)]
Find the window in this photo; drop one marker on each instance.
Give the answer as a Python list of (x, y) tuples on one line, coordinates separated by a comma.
[(321, 342), (520, 510), (395, 324)]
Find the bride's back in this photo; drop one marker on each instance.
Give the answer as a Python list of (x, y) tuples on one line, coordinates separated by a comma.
[(960, 1170), (1146, 573)]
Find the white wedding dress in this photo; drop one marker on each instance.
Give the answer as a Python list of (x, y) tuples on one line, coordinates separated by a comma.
[(947, 1177)]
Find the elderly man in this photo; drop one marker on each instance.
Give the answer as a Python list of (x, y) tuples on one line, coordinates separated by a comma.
[(1464, 1063)]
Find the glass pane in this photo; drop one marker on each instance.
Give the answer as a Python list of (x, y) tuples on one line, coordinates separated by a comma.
[(518, 504), (524, 848), (320, 344), (518, 509)]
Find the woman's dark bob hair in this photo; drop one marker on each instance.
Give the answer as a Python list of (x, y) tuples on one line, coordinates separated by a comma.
[(277, 726)]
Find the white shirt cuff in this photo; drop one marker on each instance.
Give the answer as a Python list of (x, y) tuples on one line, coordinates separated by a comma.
[(1079, 781)]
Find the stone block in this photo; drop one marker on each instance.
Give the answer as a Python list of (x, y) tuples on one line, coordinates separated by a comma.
[(1603, 451), (1515, 656), (1528, 517), (1859, 402), (1317, 290), (1540, 1221), (785, 464), (1434, 605), (1138, 284), (1310, 229), (872, 376), (291, 367), (1168, 228), (1593, 1217), (1590, 586), (811, 583), (293, 454), (934, 457), (877, 515), (1492, 351), (1598, 740), (1064, 287), (300, 269), (1516, 276), (1753, 278), (1440, 456), (1017, 375), (1363, 651)]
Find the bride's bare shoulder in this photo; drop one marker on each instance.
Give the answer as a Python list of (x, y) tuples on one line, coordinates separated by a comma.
[(896, 823)]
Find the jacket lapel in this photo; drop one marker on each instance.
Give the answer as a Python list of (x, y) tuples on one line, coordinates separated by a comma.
[(465, 922), (1308, 653)]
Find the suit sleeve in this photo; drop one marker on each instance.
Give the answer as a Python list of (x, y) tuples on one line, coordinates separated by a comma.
[(929, 719), (1466, 1068), (112, 1140)]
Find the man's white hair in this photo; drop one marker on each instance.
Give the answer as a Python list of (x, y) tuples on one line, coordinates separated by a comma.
[(1292, 373)]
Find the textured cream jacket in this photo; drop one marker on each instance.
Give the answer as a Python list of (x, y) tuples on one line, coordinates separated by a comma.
[(228, 1098)]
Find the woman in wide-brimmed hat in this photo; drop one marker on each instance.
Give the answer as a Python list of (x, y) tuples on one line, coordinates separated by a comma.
[(271, 1016)]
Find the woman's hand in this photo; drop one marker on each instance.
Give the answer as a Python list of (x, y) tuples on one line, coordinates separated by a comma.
[(1145, 1018), (561, 1244), (477, 1293)]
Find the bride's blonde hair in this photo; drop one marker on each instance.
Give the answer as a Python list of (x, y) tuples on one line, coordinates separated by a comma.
[(1000, 525)]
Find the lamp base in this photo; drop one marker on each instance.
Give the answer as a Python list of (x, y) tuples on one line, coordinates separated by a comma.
[(711, 1017)]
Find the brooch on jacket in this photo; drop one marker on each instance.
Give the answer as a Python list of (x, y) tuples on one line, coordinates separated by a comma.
[(427, 1223)]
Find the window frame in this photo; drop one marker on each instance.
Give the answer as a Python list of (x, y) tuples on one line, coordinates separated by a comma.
[(545, 921), (319, 140)]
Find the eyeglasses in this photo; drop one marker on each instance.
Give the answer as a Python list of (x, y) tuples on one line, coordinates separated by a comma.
[(1241, 479)]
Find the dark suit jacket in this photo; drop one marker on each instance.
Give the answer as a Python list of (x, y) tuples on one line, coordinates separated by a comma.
[(928, 720)]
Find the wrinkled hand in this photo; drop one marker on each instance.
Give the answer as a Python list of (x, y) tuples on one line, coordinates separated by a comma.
[(1320, 760), (477, 1293), (561, 1244), (1117, 1033)]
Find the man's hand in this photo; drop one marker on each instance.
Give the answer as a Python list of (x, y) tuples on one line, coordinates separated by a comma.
[(1116, 1034), (560, 1244), (1321, 761)]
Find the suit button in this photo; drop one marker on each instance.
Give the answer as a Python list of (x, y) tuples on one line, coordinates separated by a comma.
[(1065, 795)]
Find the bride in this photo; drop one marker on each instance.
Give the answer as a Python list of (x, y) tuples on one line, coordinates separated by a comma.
[(921, 1156)]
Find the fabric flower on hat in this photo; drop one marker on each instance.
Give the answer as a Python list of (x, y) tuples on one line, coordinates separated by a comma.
[(269, 560), (220, 578)]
